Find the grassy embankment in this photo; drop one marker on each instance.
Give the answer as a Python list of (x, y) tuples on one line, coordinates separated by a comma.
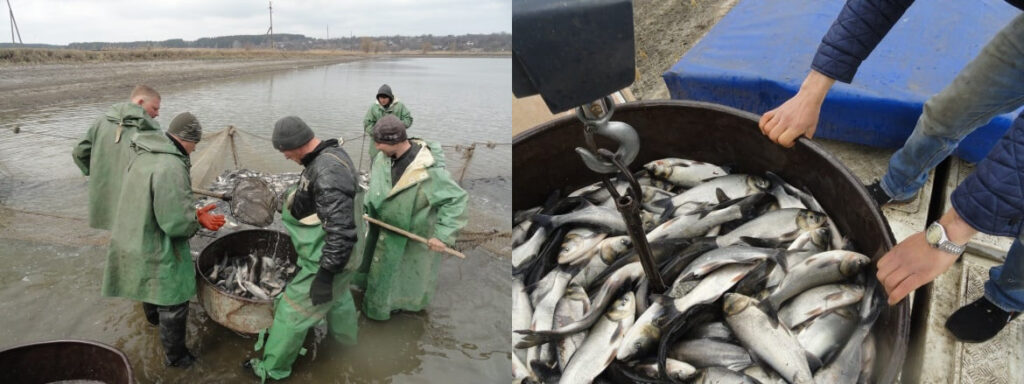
[(21, 56)]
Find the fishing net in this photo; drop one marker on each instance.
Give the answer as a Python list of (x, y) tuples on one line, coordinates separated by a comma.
[(245, 166)]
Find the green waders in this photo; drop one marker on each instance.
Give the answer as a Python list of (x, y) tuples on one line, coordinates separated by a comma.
[(294, 314)]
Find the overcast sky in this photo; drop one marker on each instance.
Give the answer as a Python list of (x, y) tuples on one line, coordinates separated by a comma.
[(66, 21)]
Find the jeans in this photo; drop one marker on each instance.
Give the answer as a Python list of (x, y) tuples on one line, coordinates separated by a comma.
[(990, 85), (1005, 285)]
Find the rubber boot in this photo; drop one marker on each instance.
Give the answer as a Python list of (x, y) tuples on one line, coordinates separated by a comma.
[(152, 315), (173, 319)]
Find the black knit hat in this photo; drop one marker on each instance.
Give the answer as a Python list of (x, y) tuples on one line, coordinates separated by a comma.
[(186, 127), (389, 130), (291, 132)]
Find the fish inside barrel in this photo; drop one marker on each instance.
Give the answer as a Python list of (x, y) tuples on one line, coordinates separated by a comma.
[(253, 275), (763, 287)]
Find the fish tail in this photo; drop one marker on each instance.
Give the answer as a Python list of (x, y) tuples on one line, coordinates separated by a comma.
[(543, 220)]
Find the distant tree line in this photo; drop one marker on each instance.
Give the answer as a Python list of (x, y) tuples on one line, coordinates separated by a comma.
[(494, 42)]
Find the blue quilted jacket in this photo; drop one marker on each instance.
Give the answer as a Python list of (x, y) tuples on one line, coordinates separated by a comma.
[(992, 198), (856, 32)]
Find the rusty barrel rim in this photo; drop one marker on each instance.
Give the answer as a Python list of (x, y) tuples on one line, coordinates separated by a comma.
[(119, 370)]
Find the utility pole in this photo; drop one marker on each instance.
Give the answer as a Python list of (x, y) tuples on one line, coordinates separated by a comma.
[(14, 25), (270, 31)]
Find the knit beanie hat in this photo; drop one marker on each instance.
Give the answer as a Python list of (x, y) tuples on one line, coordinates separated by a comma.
[(291, 132)]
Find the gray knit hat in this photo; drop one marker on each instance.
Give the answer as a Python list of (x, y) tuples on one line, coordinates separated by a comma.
[(291, 132), (186, 127), (389, 130)]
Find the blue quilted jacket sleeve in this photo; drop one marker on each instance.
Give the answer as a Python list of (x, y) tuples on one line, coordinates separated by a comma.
[(992, 198), (860, 26)]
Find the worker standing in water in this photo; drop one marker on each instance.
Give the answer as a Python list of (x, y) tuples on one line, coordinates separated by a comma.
[(410, 189), (149, 259), (386, 105), (318, 214)]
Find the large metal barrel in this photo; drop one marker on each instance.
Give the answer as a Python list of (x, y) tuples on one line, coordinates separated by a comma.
[(543, 160), (64, 360), (238, 313)]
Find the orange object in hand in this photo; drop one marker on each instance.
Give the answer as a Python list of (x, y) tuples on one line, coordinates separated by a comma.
[(208, 220)]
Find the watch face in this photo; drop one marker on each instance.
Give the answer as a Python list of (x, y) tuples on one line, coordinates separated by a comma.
[(933, 234)]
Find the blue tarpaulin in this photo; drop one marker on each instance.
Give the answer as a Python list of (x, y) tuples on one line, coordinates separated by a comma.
[(756, 57)]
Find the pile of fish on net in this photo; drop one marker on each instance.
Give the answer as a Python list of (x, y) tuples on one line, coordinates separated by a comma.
[(251, 276), (763, 288)]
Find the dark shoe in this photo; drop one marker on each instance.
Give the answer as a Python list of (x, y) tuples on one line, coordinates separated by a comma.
[(978, 321), (879, 196)]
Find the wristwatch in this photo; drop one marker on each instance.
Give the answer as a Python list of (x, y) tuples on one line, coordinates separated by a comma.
[(936, 236)]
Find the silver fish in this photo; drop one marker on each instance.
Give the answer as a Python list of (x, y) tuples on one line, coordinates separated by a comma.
[(624, 277), (529, 250), (648, 328), (763, 376), (703, 353), (846, 367), (695, 224), (593, 216), (255, 290), (522, 310), (714, 331), (684, 172), (819, 300), (519, 233), (734, 254), (732, 186), (784, 225), (599, 347), (570, 309), (823, 336), (675, 369), (577, 243), (823, 268), (543, 319), (770, 341)]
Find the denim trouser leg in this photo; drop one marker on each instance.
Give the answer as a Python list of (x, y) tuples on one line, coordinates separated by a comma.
[(990, 85), (1005, 285)]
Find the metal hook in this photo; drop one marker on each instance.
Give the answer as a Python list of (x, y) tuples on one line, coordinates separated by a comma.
[(621, 133)]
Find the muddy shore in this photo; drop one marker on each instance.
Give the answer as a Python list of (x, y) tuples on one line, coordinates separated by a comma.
[(24, 86)]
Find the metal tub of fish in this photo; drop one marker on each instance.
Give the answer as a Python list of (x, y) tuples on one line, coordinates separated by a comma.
[(544, 160), (75, 361), (239, 274)]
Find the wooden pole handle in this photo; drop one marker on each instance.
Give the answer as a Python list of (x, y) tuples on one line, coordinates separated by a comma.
[(410, 235), (222, 196)]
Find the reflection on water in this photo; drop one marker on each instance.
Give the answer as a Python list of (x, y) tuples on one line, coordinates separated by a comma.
[(53, 264)]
